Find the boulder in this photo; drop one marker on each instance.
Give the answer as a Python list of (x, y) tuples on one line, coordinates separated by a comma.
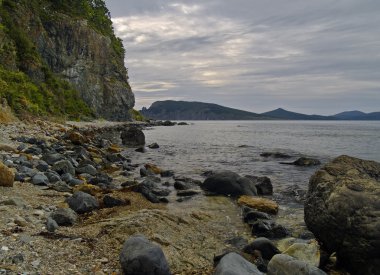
[(250, 215), (64, 216), (234, 264), (51, 225), (140, 256), (63, 167), (82, 202), (52, 158), (7, 176), (307, 252), (263, 185), (269, 229), (230, 184), (287, 265), (133, 136), (342, 209), (87, 169), (154, 146), (260, 204), (277, 155), (40, 179), (265, 246)]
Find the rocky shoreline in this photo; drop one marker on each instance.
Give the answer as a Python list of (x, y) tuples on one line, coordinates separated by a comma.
[(72, 201)]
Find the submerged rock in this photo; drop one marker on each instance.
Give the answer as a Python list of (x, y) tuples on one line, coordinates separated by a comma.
[(305, 162), (140, 256), (269, 229), (230, 184), (277, 155), (287, 265), (342, 209), (234, 264), (263, 185)]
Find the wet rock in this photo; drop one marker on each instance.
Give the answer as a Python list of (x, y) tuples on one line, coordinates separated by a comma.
[(230, 184), (277, 155), (287, 265), (260, 204), (133, 136), (307, 252), (167, 173), (154, 146), (250, 215), (7, 176), (110, 201), (265, 246), (269, 229), (63, 166), (51, 225), (182, 124), (185, 193), (180, 185), (342, 210), (234, 264), (40, 179), (87, 169), (153, 168), (141, 150), (263, 185), (82, 202), (115, 158), (146, 189), (140, 256), (52, 158), (64, 216), (305, 162)]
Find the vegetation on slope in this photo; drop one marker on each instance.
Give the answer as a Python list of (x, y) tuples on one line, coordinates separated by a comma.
[(26, 81)]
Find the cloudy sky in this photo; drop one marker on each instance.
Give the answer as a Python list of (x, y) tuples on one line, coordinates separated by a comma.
[(320, 56)]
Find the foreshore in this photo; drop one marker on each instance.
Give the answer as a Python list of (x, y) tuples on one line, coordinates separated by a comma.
[(115, 197)]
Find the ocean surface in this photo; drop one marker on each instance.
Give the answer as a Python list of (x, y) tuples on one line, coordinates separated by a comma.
[(236, 146)]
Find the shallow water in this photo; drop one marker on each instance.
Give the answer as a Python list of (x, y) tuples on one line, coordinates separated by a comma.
[(236, 146)]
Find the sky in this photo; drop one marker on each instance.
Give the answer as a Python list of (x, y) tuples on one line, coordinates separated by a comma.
[(313, 57)]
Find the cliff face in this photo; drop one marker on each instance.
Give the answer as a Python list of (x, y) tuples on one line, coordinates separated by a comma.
[(71, 46)]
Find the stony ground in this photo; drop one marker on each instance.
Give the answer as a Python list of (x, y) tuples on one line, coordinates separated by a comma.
[(189, 236)]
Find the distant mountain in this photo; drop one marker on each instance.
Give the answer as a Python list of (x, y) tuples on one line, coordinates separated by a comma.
[(183, 110), (357, 115), (284, 114)]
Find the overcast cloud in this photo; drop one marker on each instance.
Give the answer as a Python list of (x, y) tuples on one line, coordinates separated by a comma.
[(318, 56)]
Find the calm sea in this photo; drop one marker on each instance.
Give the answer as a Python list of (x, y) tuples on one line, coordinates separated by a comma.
[(236, 146)]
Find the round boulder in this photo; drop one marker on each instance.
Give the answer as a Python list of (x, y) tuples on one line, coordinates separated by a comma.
[(140, 256), (82, 202), (133, 136), (230, 184), (342, 209), (234, 264)]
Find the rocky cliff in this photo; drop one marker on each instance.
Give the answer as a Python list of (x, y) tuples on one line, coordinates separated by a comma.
[(68, 52)]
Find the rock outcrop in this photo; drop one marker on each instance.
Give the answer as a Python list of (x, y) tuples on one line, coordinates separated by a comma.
[(229, 184), (69, 49), (342, 209), (140, 256)]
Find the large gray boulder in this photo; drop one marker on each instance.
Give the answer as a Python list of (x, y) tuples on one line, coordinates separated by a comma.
[(234, 264), (282, 264), (64, 216), (342, 209), (140, 256), (82, 202), (133, 136), (230, 184)]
